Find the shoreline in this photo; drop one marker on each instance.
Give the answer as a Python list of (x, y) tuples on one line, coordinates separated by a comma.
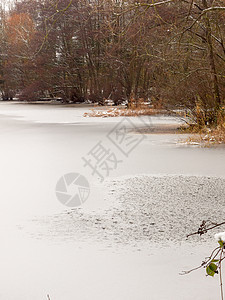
[(163, 129)]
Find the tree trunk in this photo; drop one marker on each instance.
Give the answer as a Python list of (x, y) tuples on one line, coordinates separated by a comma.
[(214, 75)]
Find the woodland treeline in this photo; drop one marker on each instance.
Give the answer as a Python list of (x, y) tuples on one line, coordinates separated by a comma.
[(167, 51)]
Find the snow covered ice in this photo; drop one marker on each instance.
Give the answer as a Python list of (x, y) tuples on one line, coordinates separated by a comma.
[(110, 247)]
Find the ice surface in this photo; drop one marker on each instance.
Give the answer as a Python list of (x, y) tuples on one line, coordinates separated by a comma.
[(39, 144)]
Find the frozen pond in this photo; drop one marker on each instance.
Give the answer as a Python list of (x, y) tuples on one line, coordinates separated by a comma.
[(127, 241)]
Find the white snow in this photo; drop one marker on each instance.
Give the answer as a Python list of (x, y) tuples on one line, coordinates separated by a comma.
[(220, 236)]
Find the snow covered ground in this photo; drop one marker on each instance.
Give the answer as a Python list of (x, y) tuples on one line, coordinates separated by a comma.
[(127, 241)]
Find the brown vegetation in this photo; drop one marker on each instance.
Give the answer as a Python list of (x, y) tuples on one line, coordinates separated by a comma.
[(121, 112), (205, 135)]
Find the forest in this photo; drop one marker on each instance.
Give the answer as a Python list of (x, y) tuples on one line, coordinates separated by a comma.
[(170, 52)]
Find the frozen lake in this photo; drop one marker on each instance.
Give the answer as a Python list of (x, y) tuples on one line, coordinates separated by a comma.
[(107, 248)]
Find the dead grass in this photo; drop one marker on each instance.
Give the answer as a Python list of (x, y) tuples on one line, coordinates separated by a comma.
[(209, 136), (136, 107), (122, 112)]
